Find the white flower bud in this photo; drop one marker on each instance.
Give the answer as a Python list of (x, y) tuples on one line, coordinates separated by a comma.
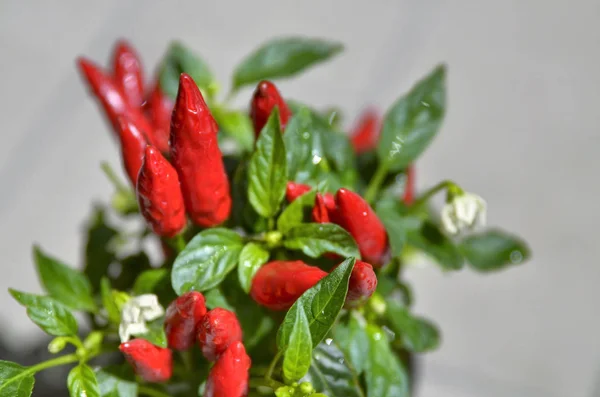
[(134, 314), (463, 212)]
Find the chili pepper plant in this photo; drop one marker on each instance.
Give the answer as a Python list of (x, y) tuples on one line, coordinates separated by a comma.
[(258, 251)]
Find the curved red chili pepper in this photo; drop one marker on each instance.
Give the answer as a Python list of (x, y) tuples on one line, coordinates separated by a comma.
[(183, 317), (111, 98), (278, 284), (294, 190), (320, 213), (229, 376), (365, 134), (218, 329), (356, 216), (128, 74), (266, 97), (151, 363), (159, 194), (409, 186), (159, 108), (133, 146), (197, 158)]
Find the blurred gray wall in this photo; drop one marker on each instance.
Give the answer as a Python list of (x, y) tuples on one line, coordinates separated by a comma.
[(524, 87)]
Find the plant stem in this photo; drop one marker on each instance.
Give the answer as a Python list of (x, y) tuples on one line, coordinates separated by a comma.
[(110, 174), (270, 383), (431, 192), (55, 362), (375, 183), (269, 374), (148, 391)]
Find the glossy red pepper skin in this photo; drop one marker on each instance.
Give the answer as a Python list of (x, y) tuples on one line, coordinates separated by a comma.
[(196, 156), (365, 134), (278, 284), (218, 329), (159, 108), (320, 213), (409, 188), (362, 284), (159, 195), (152, 363), (110, 97), (128, 73), (229, 376), (133, 147), (182, 319), (355, 215), (266, 97)]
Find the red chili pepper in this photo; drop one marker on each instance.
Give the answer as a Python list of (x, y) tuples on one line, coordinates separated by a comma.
[(320, 213), (183, 317), (356, 216), (278, 284), (365, 134), (197, 158), (128, 75), (266, 98), (111, 98), (133, 146), (409, 186), (363, 283), (229, 376), (159, 108), (218, 329), (151, 363), (294, 190), (159, 195)]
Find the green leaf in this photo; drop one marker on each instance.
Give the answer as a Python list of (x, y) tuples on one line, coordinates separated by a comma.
[(111, 384), (413, 121), (180, 59), (304, 149), (283, 57), (252, 257), (156, 333), (206, 260), (321, 303), (82, 382), (494, 250), (268, 169), (66, 285), (394, 227), (298, 354), (384, 374), (293, 215), (315, 239), (427, 237), (353, 340), (418, 335), (147, 281), (47, 313), (98, 251), (339, 152), (15, 381), (237, 125), (215, 298), (108, 301), (330, 374)]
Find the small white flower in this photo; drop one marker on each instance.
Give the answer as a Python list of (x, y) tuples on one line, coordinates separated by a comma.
[(463, 212), (134, 314)]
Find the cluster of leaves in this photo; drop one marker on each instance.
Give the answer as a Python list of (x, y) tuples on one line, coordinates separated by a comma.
[(318, 346)]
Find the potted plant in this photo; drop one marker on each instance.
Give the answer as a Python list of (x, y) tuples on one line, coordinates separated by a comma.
[(283, 239)]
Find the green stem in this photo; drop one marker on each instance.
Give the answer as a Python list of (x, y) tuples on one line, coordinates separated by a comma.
[(376, 182), (255, 383), (188, 362), (431, 192), (177, 243), (269, 374), (112, 176), (148, 391), (55, 362)]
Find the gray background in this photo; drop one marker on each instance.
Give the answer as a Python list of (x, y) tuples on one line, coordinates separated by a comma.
[(521, 131)]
